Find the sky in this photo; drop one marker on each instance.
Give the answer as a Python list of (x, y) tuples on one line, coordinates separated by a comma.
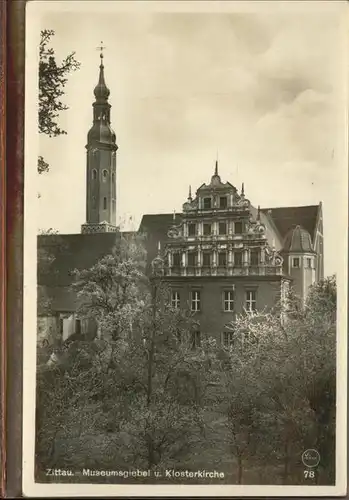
[(262, 87)]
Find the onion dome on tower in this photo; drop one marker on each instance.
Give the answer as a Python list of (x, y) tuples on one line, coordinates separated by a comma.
[(101, 131), (298, 240)]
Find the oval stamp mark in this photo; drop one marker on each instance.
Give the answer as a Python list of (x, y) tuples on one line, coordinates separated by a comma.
[(311, 458)]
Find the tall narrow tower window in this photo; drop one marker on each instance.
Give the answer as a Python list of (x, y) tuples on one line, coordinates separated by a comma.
[(94, 174), (113, 177), (104, 203), (105, 175)]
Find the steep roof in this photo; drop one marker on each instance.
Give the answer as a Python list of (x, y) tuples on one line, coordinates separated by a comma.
[(155, 227), (68, 252), (287, 217)]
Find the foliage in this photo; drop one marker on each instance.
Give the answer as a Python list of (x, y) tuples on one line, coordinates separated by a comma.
[(143, 380), (148, 399), (280, 385), (52, 82), (113, 291)]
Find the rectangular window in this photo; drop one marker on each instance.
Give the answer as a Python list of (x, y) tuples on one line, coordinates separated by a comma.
[(195, 300), (223, 202), (237, 258), (222, 259), (251, 300), (222, 228), (175, 300), (78, 326), (238, 227), (207, 203), (191, 229), (207, 229), (309, 263), (192, 259), (206, 259), (176, 259), (229, 300), (296, 262), (228, 339), (196, 339), (254, 257)]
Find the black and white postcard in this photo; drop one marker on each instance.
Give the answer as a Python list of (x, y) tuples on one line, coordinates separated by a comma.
[(185, 256)]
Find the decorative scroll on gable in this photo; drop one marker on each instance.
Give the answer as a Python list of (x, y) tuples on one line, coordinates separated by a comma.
[(190, 205), (175, 232), (256, 226), (272, 257)]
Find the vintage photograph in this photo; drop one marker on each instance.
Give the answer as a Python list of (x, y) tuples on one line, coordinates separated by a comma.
[(188, 195)]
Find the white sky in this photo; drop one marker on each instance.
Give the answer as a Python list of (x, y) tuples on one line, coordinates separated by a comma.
[(263, 86)]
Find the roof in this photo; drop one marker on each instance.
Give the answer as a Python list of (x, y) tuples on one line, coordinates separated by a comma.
[(155, 227), (67, 252), (298, 239), (287, 217)]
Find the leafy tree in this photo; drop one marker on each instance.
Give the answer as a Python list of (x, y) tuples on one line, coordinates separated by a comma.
[(280, 385), (52, 81), (149, 384)]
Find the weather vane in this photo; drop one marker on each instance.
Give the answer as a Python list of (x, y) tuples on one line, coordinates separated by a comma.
[(101, 48)]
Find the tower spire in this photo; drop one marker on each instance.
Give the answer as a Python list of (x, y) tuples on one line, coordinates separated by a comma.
[(101, 162), (101, 90)]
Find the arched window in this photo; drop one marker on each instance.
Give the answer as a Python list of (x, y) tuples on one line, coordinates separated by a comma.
[(94, 174), (105, 175), (104, 203)]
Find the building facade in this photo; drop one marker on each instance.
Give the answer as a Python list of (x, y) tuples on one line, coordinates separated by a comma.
[(221, 256)]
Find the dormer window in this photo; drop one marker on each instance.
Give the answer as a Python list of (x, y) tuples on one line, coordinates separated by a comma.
[(191, 229), (206, 259), (192, 259), (222, 259), (222, 228), (207, 229), (254, 257), (207, 203), (176, 259), (296, 262), (223, 202), (238, 227), (237, 258)]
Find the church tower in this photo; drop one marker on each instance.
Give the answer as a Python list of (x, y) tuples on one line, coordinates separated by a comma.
[(101, 164)]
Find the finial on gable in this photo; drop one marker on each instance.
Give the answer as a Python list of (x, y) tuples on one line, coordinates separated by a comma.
[(243, 189), (189, 195), (259, 213), (216, 168), (174, 215)]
